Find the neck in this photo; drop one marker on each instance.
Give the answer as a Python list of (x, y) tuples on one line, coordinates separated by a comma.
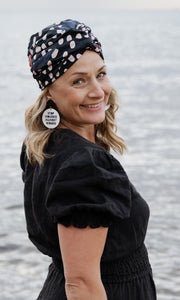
[(87, 131)]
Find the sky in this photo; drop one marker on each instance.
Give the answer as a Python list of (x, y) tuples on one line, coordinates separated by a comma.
[(92, 4)]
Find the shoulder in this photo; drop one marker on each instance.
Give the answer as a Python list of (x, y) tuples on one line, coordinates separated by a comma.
[(70, 149), (68, 141)]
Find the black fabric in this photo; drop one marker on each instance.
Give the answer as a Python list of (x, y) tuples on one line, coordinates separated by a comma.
[(82, 184), (128, 279), (83, 188)]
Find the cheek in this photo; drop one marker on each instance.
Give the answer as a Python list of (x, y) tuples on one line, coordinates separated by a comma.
[(60, 97), (67, 102)]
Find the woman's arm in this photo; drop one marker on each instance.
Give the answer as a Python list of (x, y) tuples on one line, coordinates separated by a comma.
[(81, 250)]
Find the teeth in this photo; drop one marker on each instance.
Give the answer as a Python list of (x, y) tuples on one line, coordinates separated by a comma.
[(95, 105)]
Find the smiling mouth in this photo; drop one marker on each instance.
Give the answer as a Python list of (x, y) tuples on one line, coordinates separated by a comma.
[(92, 105)]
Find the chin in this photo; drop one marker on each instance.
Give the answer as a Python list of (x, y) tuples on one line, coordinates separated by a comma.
[(99, 121), (96, 119)]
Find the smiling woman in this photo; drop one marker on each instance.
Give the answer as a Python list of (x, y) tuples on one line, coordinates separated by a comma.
[(86, 103), (81, 209)]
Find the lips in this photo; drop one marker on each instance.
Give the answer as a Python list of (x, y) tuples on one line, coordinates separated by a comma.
[(91, 105), (96, 105)]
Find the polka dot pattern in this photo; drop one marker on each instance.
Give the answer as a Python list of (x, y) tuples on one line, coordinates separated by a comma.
[(72, 45), (78, 36), (61, 41), (55, 53), (65, 54), (71, 58), (69, 38), (78, 56), (43, 46), (53, 50)]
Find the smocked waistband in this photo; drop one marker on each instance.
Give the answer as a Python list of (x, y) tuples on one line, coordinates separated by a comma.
[(127, 268)]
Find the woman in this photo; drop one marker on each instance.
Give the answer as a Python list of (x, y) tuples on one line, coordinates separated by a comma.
[(80, 206)]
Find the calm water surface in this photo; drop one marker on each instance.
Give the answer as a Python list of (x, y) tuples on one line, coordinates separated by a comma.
[(142, 53)]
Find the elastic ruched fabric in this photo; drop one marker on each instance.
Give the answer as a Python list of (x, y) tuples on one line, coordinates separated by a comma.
[(128, 279)]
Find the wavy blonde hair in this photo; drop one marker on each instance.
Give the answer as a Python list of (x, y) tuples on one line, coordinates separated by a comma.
[(38, 135)]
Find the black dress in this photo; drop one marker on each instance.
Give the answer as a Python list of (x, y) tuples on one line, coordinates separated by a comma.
[(82, 184)]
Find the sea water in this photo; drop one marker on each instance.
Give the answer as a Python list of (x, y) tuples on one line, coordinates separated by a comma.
[(142, 51)]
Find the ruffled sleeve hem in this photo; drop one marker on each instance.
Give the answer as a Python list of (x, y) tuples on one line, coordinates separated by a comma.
[(82, 219)]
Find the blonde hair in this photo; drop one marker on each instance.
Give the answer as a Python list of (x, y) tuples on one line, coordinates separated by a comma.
[(38, 135)]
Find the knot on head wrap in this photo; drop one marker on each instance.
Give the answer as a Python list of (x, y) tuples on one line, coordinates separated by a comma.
[(56, 48)]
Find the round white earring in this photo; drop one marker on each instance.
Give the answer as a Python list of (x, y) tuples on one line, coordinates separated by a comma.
[(50, 116)]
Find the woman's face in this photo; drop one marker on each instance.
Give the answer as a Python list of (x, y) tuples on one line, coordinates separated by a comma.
[(82, 92)]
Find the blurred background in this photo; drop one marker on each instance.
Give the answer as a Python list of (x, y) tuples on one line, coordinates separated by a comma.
[(141, 45)]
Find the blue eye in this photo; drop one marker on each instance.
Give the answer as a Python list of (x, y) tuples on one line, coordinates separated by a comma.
[(101, 74), (77, 81)]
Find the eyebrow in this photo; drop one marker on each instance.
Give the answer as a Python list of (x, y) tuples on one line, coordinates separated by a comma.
[(85, 73)]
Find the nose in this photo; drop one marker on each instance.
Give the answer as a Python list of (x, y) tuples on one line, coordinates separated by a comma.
[(95, 90)]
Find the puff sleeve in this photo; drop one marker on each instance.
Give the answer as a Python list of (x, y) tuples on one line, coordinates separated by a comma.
[(89, 188)]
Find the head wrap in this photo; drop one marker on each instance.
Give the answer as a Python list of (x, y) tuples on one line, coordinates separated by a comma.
[(56, 48)]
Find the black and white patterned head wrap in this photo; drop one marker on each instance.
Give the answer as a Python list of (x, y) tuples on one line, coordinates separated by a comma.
[(56, 48)]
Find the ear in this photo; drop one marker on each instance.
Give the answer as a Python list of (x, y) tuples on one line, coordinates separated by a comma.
[(48, 96)]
